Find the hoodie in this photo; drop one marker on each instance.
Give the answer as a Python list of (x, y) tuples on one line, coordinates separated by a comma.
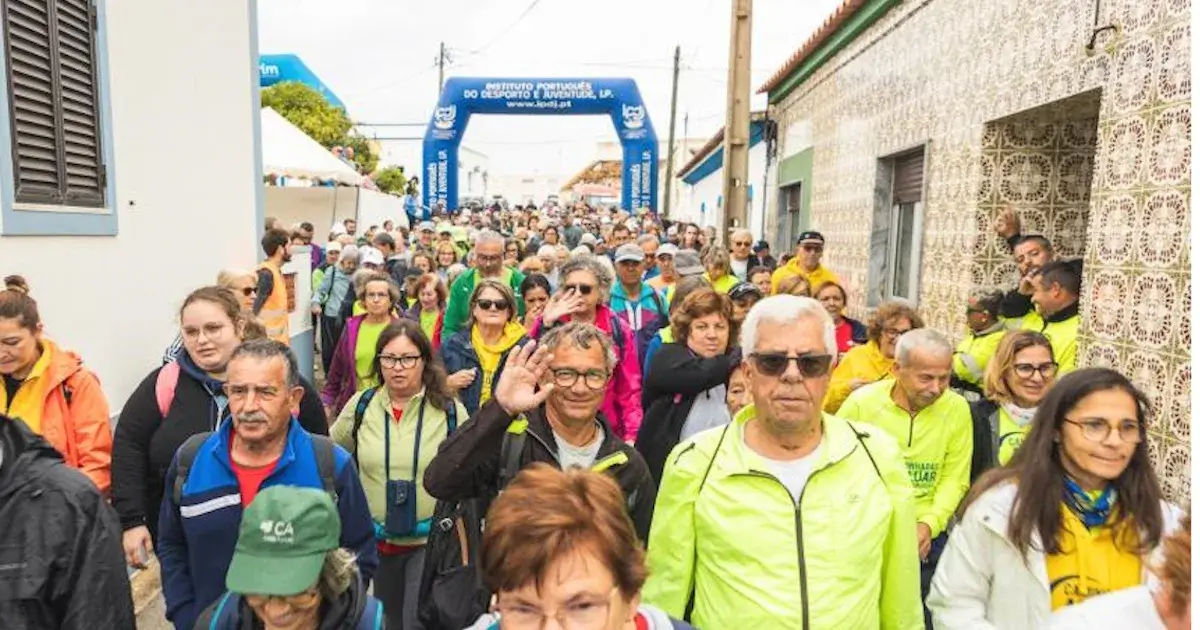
[(62, 401), (354, 609), (49, 513)]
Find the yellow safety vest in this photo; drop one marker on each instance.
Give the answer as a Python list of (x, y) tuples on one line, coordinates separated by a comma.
[(973, 354), (274, 313)]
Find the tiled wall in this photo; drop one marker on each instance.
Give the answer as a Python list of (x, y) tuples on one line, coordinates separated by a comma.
[(947, 73)]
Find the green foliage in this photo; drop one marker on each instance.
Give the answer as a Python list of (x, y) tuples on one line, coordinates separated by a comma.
[(391, 179), (304, 107), (364, 156)]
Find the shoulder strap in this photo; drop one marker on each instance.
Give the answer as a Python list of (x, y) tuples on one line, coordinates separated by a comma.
[(452, 418), (691, 602), (186, 455), (994, 425), (326, 463), (512, 447), (216, 621), (618, 335), (164, 387), (360, 411), (658, 302)]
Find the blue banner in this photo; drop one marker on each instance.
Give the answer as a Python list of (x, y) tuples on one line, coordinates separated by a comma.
[(274, 69), (620, 99)]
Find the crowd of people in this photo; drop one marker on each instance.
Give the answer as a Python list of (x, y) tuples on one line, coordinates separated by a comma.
[(658, 430)]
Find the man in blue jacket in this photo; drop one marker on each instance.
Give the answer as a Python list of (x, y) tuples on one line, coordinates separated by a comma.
[(215, 476)]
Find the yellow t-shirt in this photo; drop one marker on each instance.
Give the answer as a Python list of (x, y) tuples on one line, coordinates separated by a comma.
[(364, 353), (1010, 436), (428, 321), (1091, 563)]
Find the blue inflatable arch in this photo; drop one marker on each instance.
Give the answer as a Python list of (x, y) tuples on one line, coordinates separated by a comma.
[(620, 99)]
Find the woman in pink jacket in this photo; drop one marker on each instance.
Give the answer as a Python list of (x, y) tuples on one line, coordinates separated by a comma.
[(582, 296)]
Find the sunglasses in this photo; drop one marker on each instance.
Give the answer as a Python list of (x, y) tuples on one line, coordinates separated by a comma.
[(492, 305), (814, 248), (742, 243), (776, 363), (581, 289), (248, 291)]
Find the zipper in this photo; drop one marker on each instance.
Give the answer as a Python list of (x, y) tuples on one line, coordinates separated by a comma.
[(799, 537), (912, 420)]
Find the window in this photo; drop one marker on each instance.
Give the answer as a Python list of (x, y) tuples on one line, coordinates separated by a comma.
[(790, 217), (895, 266), (54, 100)]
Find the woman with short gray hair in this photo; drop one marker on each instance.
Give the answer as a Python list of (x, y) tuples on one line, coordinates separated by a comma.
[(584, 281)]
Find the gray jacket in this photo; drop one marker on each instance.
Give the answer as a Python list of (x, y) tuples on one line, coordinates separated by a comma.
[(335, 286)]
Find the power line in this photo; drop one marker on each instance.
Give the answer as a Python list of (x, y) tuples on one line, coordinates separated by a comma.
[(506, 31)]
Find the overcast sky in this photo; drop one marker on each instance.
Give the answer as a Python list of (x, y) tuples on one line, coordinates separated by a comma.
[(379, 57)]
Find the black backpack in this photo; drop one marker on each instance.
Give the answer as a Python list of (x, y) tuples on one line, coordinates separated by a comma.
[(360, 411), (452, 595)]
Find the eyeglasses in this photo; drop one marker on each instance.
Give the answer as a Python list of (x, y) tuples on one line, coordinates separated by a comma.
[(813, 248), (378, 296), (248, 291), (486, 258), (265, 393), (581, 289), (587, 614), (492, 305), (567, 377), (1098, 429), (742, 243), (892, 333), (1027, 370), (406, 362), (776, 363), (307, 599)]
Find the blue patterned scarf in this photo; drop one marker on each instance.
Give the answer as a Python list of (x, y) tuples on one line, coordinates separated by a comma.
[(1092, 511)]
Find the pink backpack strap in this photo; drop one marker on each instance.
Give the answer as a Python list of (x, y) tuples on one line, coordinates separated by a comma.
[(164, 387)]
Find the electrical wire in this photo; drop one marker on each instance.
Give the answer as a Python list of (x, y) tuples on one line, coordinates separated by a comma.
[(505, 31)]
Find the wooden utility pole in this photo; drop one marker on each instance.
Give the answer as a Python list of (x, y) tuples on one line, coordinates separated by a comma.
[(666, 207), (441, 68), (737, 123)]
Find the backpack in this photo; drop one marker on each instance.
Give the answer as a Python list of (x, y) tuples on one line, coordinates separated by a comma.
[(649, 330), (452, 594), (323, 450), (164, 387), (360, 410)]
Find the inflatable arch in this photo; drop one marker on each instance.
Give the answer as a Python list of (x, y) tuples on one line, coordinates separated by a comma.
[(620, 99)]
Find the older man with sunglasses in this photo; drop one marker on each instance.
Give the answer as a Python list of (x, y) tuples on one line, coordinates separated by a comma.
[(810, 247), (785, 476)]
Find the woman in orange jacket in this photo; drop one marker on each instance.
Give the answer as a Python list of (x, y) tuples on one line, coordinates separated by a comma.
[(49, 389)]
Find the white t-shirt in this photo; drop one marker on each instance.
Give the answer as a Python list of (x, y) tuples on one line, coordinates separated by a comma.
[(582, 456), (709, 410), (739, 268), (794, 473)]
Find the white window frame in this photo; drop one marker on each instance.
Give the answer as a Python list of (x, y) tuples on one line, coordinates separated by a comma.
[(914, 254)]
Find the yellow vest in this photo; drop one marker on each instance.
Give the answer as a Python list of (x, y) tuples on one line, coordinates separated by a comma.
[(274, 313), (1064, 338), (1009, 436), (1091, 562)]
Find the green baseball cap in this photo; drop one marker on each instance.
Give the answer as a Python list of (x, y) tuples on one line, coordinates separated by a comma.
[(284, 537)]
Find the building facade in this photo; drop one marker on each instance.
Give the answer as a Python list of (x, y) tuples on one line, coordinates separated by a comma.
[(906, 126), (164, 187), (703, 180)]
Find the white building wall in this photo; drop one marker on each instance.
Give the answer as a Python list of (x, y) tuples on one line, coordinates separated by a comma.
[(707, 191), (184, 106)]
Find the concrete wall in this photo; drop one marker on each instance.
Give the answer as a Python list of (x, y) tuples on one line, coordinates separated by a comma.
[(320, 206), (184, 135)]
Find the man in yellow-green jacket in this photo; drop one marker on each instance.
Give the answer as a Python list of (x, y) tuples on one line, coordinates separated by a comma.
[(787, 517), (1056, 295), (933, 428)]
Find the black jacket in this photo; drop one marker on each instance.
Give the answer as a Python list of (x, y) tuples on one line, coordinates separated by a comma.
[(61, 561), (468, 462), (676, 377), (983, 457), (145, 443)]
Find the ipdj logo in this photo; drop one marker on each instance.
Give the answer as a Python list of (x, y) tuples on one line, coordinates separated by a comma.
[(277, 531), (443, 117), (634, 116)]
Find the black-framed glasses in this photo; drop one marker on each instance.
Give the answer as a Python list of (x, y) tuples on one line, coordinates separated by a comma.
[(1027, 370), (581, 289), (1098, 429), (894, 333), (492, 305), (567, 377), (776, 363), (406, 362)]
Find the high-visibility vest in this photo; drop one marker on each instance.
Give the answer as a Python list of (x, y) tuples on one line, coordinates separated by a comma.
[(274, 313), (973, 354)]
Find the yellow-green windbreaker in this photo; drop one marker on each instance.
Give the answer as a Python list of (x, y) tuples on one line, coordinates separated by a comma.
[(1062, 329), (937, 444), (975, 351), (845, 557)]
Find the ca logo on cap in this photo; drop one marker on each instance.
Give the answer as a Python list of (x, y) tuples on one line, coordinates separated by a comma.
[(277, 531)]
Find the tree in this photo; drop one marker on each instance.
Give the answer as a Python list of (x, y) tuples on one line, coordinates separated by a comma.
[(304, 107), (391, 179), (307, 109)]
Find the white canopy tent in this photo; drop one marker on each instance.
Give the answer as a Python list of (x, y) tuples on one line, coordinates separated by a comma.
[(288, 151)]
